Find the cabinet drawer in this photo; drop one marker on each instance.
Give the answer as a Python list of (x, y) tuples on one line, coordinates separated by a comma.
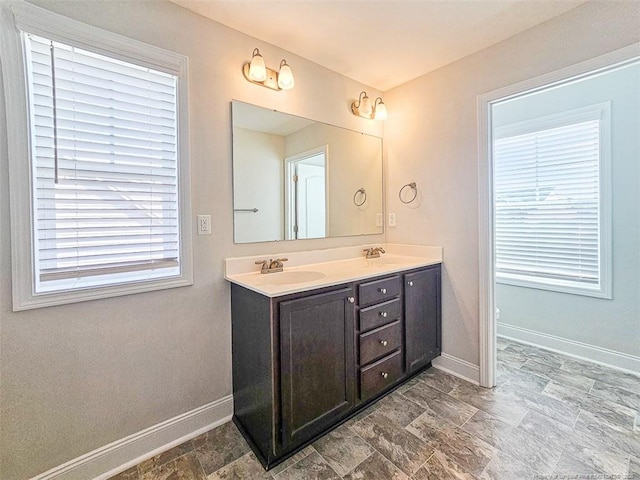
[(379, 290), (381, 314), (380, 342), (379, 375)]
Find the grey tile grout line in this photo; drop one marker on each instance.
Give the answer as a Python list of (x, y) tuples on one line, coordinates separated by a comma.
[(156, 467), (325, 461), (372, 447), (619, 387), (593, 398), (594, 380), (424, 463), (365, 458), (224, 466), (465, 422), (614, 372), (298, 461), (455, 462), (375, 450), (199, 464)]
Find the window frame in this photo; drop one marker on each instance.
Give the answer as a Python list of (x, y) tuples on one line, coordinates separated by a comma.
[(14, 18), (602, 113)]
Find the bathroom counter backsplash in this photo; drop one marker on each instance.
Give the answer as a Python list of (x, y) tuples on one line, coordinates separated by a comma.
[(308, 270)]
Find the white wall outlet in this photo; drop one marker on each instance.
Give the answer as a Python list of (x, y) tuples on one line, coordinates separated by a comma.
[(497, 314), (392, 219), (204, 224), (379, 220)]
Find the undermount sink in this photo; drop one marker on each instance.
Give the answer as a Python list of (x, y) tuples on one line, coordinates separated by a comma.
[(284, 278)]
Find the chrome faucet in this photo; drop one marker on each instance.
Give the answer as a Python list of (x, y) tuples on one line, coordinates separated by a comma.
[(271, 265), (373, 252)]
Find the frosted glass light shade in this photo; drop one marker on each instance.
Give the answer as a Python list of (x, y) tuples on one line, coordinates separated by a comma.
[(365, 108), (285, 76), (257, 68), (381, 111)]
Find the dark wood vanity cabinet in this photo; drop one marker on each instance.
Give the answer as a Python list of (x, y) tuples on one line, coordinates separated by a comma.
[(380, 335), (422, 317), (304, 362), (316, 363)]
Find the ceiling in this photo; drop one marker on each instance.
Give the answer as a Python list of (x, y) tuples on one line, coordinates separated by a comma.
[(381, 43)]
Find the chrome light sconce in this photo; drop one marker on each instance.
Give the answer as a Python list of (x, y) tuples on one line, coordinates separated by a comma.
[(257, 72), (363, 108)]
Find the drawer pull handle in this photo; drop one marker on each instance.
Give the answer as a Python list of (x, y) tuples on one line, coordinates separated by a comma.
[(384, 343), (385, 374), (411, 284), (351, 299), (382, 290), (383, 314)]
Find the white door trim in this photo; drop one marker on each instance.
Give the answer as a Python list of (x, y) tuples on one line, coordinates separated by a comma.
[(486, 252)]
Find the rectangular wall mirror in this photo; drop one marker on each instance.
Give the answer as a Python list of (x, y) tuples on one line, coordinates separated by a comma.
[(295, 178)]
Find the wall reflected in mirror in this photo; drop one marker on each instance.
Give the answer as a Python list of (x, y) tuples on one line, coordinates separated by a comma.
[(295, 178)]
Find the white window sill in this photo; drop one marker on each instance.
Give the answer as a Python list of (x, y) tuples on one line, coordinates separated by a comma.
[(92, 293), (558, 286)]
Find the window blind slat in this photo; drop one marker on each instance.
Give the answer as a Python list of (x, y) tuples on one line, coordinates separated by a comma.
[(113, 150), (547, 204), (113, 268)]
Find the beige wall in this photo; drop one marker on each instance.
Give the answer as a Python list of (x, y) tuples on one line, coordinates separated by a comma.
[(354, 162), (257, 183), (77, 377), (431, 138)]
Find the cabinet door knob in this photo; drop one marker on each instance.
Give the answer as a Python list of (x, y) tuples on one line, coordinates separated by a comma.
[(383, 342), (383, 314), (383, 290), (385, 374), (411, 284), (351, 299)]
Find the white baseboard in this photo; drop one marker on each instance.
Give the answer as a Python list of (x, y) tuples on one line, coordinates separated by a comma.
[(458, 367), (584, 351), (122, 454)]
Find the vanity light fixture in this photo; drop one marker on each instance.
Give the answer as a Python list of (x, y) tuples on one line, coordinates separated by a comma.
[(285, 76), (363, 108), (379, 109), (257, 72)]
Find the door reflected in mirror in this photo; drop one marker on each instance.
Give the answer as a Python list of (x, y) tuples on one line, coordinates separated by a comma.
[(294, 178), (306, 199)]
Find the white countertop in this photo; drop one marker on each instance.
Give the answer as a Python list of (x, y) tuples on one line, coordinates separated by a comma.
[(322, 268)]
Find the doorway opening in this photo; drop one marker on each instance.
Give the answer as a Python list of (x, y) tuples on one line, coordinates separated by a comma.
[(545, 218), (306, 194)]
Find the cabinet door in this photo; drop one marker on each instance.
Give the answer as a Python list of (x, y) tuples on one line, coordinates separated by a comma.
[(422, 317), (317, 363)]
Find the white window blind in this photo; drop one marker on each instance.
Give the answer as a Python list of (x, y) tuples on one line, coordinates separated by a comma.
[(104, 167), (547, 205)]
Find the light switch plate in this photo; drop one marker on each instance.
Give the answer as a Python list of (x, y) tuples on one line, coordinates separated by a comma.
[(204, 224), (392, 219), (379, 220)]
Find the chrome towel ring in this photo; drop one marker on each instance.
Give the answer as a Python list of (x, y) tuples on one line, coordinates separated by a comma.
[(363, 193), (411, 185)]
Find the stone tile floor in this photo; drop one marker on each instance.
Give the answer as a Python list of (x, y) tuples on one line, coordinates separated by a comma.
[(549, 417)]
